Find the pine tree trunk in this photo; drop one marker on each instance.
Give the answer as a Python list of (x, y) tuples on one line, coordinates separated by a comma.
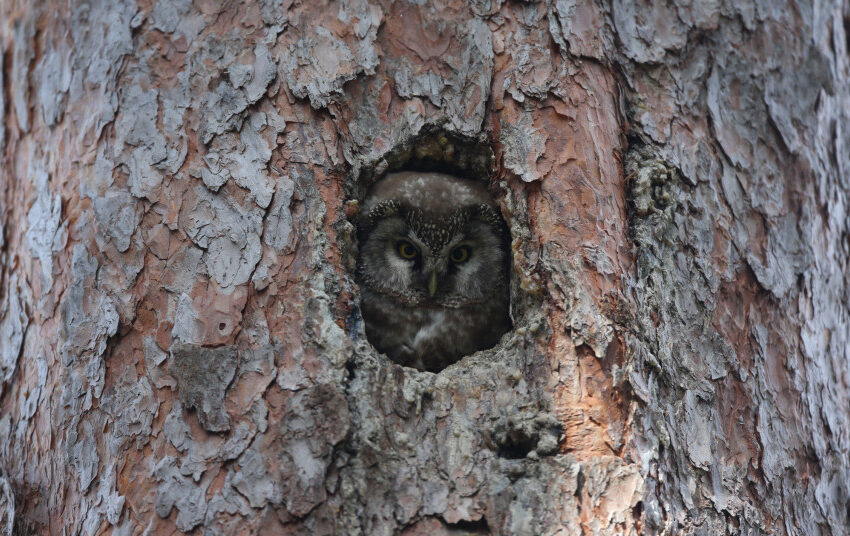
[(181, 348)]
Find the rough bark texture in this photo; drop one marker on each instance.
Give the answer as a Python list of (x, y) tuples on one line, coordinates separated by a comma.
[(180, 343)]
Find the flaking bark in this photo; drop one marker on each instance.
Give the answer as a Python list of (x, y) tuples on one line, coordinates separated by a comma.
[(181, 347)]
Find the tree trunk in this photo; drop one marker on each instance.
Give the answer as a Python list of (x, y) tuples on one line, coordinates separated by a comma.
[(181, 348)]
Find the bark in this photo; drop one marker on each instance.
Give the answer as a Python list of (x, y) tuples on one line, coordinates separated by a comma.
[(180, 343)]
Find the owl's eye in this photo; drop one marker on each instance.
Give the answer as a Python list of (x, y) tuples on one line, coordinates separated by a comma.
[(407, 250), (459, 254)]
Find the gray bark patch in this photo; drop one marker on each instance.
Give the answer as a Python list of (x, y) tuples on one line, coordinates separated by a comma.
[(117, 217), (279, 220), (21, 58), (7, 506), (243, 157), (132, 405), (43, 224), (87, 314), (187, 326), (320, 63), (54, 79), (13, 326), (203, 375), (81, 451), (648, 32), (523, 147), (230, 233), (177, 490)]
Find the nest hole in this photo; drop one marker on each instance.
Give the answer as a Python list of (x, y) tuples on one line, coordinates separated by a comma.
[(432, 151)]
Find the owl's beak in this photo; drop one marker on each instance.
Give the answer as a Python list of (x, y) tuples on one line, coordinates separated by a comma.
[(432, 283)]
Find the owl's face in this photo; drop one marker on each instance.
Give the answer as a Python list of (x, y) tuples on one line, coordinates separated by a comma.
[(432, 240), (433, 269), (423, 261)]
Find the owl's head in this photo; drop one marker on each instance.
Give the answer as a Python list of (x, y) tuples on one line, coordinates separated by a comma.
[(431, 239)]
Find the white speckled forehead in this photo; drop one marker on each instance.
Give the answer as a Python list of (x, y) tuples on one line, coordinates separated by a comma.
[(435, 193)]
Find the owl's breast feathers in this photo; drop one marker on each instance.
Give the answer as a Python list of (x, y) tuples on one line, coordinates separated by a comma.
[(432, 338)]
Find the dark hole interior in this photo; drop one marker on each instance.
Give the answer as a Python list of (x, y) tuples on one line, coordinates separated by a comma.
[(637, 510), (516, 444), (470, 527)]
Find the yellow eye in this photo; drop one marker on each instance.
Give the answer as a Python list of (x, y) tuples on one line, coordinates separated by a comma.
[(407, 250), (459, 254)]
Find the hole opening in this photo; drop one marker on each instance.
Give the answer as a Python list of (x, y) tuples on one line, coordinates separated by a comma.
[(430, 250)]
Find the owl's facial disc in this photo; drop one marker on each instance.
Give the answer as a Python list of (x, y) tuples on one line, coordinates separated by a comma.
[(432, 259)]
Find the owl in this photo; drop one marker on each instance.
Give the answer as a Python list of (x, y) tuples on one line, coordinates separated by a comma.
[(432, 268)]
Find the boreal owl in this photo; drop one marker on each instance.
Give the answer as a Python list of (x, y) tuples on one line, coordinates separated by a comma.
[(433, 268)]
